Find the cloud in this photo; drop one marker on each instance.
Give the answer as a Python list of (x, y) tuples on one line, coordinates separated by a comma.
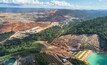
[(17, 1), (100, 0), (36, 3), (53, 2), (106, 3), (60, 3)]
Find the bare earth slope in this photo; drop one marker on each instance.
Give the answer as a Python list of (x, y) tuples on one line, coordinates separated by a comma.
[(76, 42), (18, 26)]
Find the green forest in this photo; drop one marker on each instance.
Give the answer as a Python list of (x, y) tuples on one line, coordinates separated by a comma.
[(77, 62), (4, 36), (17, 45), (95, 26)]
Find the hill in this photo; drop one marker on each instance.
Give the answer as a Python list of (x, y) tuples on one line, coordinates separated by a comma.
[(17, 45), (83, 14), (95, 26), (77, 42), (65, 15)]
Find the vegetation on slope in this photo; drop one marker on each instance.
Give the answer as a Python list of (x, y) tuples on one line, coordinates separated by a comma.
[(4, 36), (77, 62), (45, 59), (95, 26), (13, 48), (17, 45)]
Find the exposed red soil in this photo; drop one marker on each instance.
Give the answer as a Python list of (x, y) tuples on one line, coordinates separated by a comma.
[(18, 26), (49, 12)]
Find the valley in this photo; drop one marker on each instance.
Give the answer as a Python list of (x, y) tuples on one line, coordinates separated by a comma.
[(57, 37)]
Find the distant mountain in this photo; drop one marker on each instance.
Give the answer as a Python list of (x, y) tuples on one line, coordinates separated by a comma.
[(83, 14), (65, 15), (61, 14)]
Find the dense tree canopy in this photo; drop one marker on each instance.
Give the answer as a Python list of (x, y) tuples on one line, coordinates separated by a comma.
[(77, 62), (3, 36)]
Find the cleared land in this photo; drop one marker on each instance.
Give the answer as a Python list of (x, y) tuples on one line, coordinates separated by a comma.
[(82, 54)]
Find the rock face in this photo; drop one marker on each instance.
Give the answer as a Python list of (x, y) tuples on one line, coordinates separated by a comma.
[(18, 26), (76, 42)]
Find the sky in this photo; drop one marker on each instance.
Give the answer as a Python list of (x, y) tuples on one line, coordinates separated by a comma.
[(62, 4)]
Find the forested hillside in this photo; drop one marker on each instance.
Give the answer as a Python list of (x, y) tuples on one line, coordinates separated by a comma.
[(77, 62), (95, 26), (16, 45)]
